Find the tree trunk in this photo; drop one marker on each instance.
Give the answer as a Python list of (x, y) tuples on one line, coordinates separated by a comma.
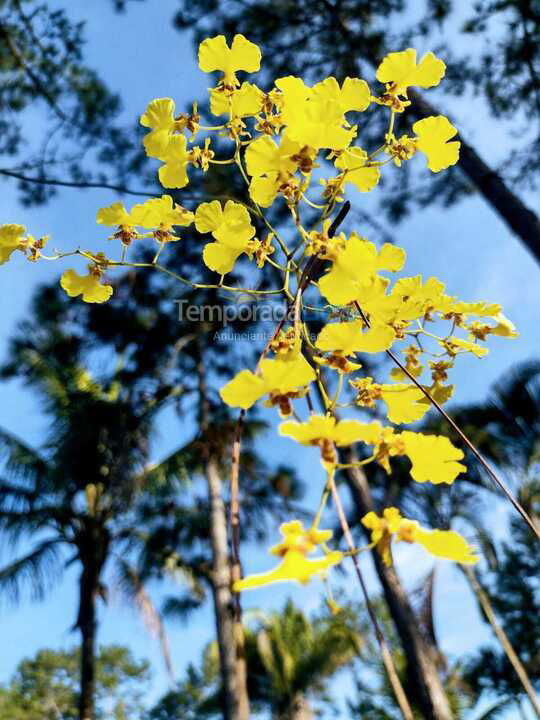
[(221, 588), (87, 625), (483, 600), (427, 692), (300, 709), (229, 636), (521, 219)]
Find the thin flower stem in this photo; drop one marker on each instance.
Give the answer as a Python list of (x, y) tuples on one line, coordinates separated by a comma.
[(322, 504), (393, 677)]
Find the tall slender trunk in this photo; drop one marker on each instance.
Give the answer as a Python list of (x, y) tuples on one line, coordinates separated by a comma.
[(300, 709), (485, 603), (87, 625), (93, 544), (522, 220), (427, 691), (221, 589), (229, 635)]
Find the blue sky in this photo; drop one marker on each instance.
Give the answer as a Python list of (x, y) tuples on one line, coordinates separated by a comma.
[(141, 56)]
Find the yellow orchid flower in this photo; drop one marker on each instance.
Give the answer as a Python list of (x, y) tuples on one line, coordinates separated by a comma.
[(153, 213), (313, 118), (400, 70), (295, 566), (434, 458), (271, 167), (158, 213), (244, 102), (264, 156), (88, 286), (503, 328), (432, 136), (161, 212), (353, 337), (232, 229), (405, 403), (356, 267), (283, 379), (446, 544), (324, 432), (11, 239), (454, 344), (359, 173), (216, 55)]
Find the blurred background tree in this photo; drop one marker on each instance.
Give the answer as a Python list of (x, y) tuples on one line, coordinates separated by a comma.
[(46, 687)]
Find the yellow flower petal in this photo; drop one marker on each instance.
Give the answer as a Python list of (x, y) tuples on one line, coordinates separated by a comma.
[(317, 427), (244, 102), (401, 69), (208, 216), (362, 176), (11, 236), (434, 458), (245, 55), (236, 229), (230, 225), (314, 118), (353, 95), (405, 403), (88, 286), (114, 215), (504, 327), (215, 54), (264, 156), (351, 337), (288, 374), (219, 257), (159, 116), (264, 190), (243, 390), (446, 544), (173, 173), (433, 134)]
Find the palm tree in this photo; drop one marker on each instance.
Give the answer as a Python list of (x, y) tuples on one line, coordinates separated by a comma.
[(291, 659), (72, 500)]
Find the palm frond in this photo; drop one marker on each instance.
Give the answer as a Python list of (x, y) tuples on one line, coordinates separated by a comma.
[(132, 585), (496, 709), (39, 569), (21, 461)]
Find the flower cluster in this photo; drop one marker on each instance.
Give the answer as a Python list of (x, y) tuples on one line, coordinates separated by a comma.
[(298, 146)]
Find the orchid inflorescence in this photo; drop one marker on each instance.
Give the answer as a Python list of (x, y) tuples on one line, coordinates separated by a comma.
[(297, 145)]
